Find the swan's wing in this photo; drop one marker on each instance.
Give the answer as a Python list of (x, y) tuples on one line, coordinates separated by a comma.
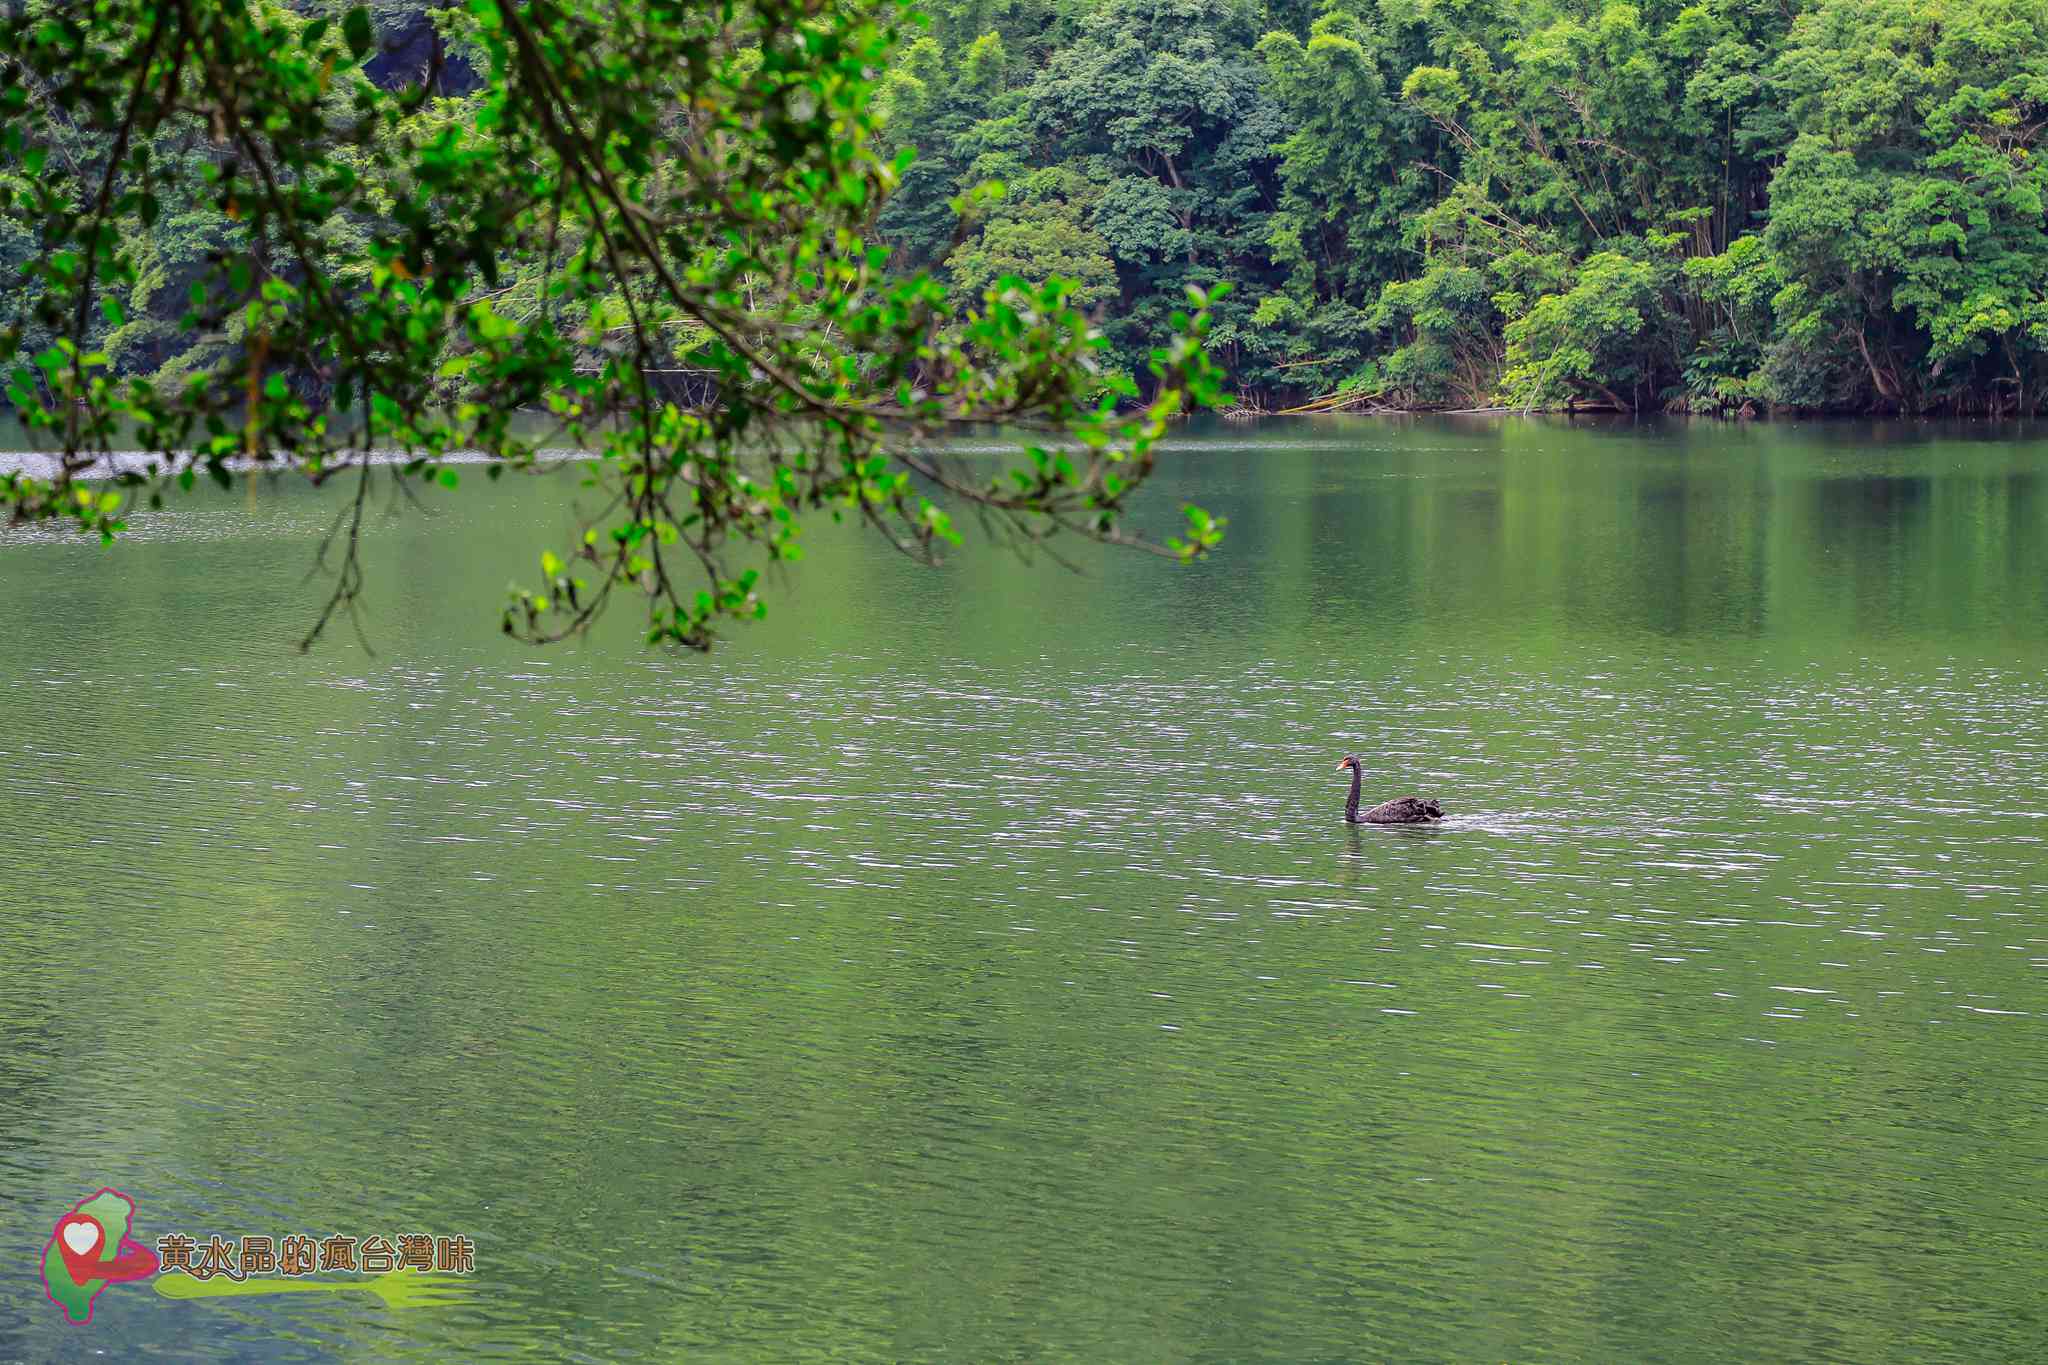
[(1403, 810)]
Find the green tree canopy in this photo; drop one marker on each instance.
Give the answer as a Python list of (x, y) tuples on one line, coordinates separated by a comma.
[(1720, 206), (563, 204)]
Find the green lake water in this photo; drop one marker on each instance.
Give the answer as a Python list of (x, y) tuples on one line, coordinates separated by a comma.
[(973, 964)]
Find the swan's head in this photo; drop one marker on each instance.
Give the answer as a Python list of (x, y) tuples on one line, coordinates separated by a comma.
[(1350, 761)]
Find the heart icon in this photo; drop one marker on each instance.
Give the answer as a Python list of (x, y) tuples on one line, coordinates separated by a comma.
[(81, 1235)]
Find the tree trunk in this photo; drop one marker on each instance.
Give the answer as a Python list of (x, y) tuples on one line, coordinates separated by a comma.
[(1885, 389)]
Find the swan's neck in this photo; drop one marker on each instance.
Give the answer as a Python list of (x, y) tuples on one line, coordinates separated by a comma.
[(1351, 804)]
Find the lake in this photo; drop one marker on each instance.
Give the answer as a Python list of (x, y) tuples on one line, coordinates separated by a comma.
[(973, 963)]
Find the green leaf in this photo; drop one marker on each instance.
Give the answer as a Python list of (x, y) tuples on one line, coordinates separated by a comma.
[(357, 31)]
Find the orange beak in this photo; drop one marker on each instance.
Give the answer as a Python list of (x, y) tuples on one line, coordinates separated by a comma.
[(1343, 764)]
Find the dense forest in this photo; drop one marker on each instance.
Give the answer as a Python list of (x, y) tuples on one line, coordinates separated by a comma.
[(1734, 207), (1727, 206)]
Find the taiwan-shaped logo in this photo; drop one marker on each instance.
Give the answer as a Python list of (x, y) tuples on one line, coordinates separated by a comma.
[(90, 1249)]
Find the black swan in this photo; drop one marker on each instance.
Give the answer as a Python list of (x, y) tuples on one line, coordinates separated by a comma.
[(1402, 810)]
